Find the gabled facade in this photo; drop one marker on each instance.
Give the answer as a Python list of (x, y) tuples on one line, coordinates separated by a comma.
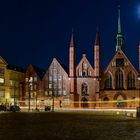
[(56, 85), (33, 86), (119, 80), (85, 82)]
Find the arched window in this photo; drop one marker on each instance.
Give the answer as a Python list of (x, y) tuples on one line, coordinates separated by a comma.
[(105, 99), (130, 80), (119, 79), (84, 69), (120, 98), (108, 82), (84, 89), (120, 102)]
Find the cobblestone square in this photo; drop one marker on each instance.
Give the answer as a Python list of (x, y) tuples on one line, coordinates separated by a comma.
[(74, 125)]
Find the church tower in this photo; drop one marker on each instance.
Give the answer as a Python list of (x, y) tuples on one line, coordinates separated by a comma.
[(72, 69), (97, 56), (119, 37), (97, 66), (72, 59)]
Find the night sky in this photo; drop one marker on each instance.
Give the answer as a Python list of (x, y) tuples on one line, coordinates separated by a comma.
[(36, 31)]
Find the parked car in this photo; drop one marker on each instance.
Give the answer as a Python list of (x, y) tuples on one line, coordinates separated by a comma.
[(2, 107), (47, 108), (14, 108)]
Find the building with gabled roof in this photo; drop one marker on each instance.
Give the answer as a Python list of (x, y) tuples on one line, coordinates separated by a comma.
[(56, 85), (33, 86)]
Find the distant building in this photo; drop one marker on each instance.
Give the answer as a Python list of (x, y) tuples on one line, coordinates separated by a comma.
[(11, 78)]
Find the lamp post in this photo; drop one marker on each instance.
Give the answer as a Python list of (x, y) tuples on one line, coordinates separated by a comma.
[(29, 98), (138, 108), (14, 94), (36, 101)]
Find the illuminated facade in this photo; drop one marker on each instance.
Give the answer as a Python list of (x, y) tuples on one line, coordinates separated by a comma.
[(10, 83), (81, 86), (116, 86), (56, 84), (85, 86)]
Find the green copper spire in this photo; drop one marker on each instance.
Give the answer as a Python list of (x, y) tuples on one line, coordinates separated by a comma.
[(119, 21), (119, 37)]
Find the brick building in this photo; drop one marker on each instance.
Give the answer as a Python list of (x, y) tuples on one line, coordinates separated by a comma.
[(116, 86), (81, 86)]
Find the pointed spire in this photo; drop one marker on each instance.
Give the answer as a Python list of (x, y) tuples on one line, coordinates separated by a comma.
[(119, 37), (72, 41), (119, 20), (97, 39)]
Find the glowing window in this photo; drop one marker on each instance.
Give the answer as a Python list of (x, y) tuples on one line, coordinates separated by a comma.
[(50, 85), (26, 79), (1, 80), (31, 79), (1, 93), (50, 78), (35, 79), (64, 92), (50, 92)]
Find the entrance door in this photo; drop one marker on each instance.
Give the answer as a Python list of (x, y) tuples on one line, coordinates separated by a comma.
[(84, 103)]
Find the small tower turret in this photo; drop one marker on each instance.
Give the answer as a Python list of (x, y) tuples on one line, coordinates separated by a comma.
[(97, 56), (72, 69), (97, 66)]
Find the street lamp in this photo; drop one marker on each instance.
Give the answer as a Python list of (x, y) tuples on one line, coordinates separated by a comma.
[(29, 98), (14, 94), (53, 97), (138, 108), (36, 101)]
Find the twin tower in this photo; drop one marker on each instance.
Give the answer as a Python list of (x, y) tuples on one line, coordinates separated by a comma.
[(73, 76)]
